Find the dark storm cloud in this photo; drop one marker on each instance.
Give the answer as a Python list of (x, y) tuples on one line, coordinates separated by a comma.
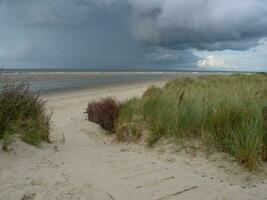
[(201, 24), (67, 33), (125, 33)]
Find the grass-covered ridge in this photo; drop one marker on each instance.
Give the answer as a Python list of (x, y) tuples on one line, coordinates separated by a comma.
[(225, 113), (22, 113)]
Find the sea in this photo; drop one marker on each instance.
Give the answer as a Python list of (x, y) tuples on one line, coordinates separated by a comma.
[(47, 80)]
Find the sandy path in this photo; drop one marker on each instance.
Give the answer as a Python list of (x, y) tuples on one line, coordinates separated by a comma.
[(89, 166)]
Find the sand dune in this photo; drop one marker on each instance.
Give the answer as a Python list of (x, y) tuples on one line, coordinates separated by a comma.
[(84, 163)]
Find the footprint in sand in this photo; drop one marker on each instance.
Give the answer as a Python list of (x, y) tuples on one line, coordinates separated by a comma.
[(28, 196)]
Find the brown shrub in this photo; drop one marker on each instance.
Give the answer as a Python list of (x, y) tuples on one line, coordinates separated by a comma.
[(104, 112)]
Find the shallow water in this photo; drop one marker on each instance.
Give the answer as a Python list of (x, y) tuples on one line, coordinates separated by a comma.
[(47, 81)]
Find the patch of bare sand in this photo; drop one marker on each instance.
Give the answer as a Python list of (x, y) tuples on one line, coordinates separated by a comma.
[(83, 163)]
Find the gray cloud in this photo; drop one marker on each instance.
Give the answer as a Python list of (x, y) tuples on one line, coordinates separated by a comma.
[(66, 33), (125, 33), (170, 58), (201, 24)]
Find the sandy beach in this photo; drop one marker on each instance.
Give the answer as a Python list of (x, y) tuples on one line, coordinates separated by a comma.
[(83, 162)]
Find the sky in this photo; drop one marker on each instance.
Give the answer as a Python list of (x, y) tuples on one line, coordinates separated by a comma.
[(141, 34)]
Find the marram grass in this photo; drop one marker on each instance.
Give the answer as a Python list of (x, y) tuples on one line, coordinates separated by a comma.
[(22, 113), (222, 112)]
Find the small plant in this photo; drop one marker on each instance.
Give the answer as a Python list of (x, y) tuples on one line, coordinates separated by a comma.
[(104, 112), (21, 112)]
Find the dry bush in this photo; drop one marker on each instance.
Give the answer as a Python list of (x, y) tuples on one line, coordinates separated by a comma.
[(104, 112)]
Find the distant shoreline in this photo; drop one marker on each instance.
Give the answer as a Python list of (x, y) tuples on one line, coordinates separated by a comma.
[(63, 81), (82, 70), (53, 81)]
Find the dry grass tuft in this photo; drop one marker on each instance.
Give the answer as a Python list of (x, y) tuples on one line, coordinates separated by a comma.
[(104, 113)]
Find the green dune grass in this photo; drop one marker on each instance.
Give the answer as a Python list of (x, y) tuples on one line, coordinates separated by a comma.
[(22, 113), (224, 113)]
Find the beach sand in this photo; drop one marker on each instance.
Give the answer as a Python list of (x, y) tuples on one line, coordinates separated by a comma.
[(85, 163)]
